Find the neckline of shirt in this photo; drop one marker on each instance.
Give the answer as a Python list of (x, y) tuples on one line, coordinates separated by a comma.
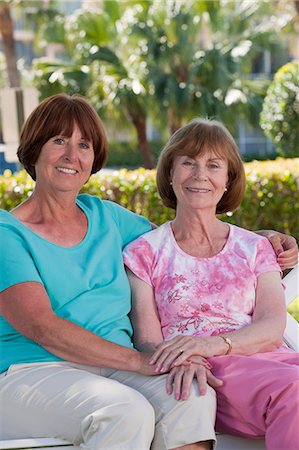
[(180, 250)]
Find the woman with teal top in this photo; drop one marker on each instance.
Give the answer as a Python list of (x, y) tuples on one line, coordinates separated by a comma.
[(68, 367)]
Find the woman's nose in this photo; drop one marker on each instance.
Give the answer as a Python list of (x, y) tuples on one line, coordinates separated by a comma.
[(199, 173), (70, 152)]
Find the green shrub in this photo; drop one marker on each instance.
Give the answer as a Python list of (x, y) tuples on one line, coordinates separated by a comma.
[(280, 115), (271, 200)]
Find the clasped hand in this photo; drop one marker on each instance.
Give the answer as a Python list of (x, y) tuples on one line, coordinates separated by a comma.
[(176, 351), (185, 359), (179, 379)]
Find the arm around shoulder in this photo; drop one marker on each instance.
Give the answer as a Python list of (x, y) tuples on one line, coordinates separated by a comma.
[(285, 247)]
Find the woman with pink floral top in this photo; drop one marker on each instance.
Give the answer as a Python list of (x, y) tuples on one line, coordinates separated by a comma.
[(209, 294)]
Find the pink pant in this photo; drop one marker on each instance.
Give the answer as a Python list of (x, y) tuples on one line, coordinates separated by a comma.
[(259, 397)]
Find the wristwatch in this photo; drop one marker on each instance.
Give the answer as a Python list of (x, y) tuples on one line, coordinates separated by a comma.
[(228, 341)]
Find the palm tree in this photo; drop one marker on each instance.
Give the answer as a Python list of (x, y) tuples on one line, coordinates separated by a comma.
[(98, 67), (7, 32), (169, 61), (199, 55)]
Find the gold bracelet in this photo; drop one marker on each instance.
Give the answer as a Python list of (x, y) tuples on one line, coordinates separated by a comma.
[(228, 341)]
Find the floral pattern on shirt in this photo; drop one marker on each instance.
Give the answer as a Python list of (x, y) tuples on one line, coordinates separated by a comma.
[(201, 296)]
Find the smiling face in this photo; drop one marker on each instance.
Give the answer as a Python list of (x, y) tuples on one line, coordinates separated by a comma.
[(65, 163), (199, 182)]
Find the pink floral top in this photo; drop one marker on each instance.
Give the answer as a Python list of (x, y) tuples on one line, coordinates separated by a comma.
[(201, 296)]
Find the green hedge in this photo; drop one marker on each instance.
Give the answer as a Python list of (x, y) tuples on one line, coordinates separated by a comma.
[(271, 199)]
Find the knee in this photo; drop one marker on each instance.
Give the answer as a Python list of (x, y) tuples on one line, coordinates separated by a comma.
[(209, 399), (133, 418), (187, 421), (139, 411), (193, 407), (291, 390), (206, 402), (128, 406), (286, 394)]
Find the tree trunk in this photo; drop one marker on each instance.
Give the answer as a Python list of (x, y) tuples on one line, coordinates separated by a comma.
[(296, 4), (174, 121), (7, 32), (139, 123)]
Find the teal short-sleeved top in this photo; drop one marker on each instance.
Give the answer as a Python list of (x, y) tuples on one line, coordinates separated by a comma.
[(86, 284)]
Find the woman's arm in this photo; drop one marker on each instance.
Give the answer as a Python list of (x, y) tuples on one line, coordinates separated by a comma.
[(147, 333), (263, 334), (27, 308)]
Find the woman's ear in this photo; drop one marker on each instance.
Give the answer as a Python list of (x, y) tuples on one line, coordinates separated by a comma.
[(170, 175), (227, 182)]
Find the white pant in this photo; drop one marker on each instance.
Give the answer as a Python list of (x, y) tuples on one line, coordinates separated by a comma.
[(101, 408)]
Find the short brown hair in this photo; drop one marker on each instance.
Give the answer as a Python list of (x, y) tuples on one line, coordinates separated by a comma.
[(198, 136), (57, 115)]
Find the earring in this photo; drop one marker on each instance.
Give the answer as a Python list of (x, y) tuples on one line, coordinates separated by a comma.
[(225, 189), (170, 183)]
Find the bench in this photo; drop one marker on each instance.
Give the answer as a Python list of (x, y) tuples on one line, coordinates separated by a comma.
[(225, 442)]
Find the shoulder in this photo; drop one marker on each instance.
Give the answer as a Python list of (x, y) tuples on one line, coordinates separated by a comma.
[(247, 236), (157, 235), (15, 238), (249, 244), (127, 224), (5, 217), (148, 255), (96, 203), (89, 201), (9, 224), (152, 239), (98, 207)]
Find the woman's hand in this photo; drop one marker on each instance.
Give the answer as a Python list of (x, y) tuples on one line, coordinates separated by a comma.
[(143, 366), (285, 247), (180, 380), (286, 250), (177, 350)]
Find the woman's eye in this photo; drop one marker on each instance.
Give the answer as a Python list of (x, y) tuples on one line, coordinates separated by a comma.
[(187, 163), (58, 141), (214, 166), (84, 145)]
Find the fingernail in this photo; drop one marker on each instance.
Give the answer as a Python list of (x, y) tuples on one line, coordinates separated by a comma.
[(162, 369)]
